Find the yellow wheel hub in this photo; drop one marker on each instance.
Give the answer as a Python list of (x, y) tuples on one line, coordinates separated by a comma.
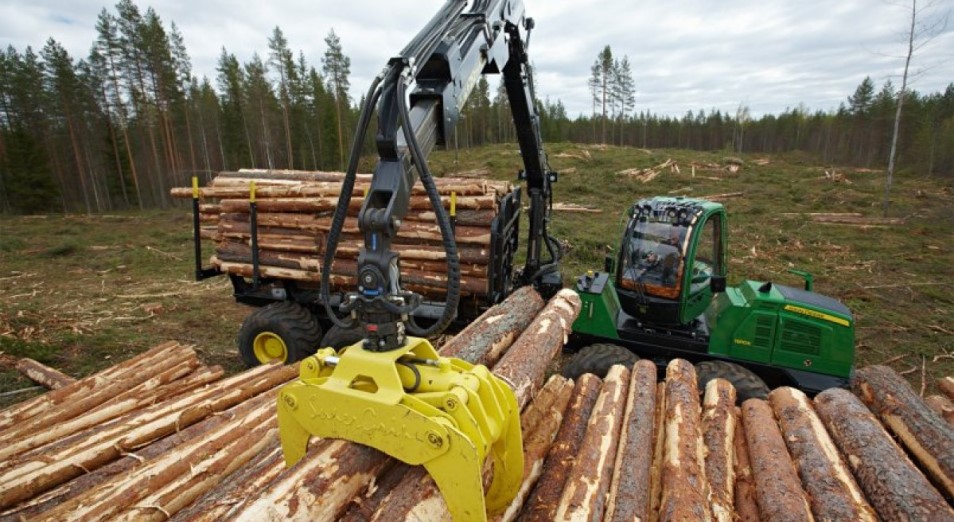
[(269, 346)]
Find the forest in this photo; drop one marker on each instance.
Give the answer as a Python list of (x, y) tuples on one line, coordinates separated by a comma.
[(116, 129)]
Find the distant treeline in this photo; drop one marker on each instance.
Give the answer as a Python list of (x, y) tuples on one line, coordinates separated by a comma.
[(120, 127)]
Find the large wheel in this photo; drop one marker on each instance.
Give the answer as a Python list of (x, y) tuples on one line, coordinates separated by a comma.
[(598, 359), (338, 337), (284, 331), (747, 384)]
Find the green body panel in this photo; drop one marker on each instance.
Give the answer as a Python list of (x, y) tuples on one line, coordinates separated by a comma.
[(764, 326), (599, 306)]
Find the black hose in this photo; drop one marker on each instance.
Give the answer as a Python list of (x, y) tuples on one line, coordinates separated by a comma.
[(341, 211), (447, 235)]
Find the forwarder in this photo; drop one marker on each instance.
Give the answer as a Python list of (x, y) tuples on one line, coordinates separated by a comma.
[(665, 296)]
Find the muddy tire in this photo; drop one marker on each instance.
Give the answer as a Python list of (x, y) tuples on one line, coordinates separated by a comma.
[(747, 384), (338, 337), (284, 331), (598, 359)]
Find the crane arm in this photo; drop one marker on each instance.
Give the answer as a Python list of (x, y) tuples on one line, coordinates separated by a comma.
[(441, 66)]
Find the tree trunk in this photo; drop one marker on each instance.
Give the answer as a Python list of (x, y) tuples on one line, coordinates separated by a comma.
[(924, 433), (545, 499), (746, 507), (891, 482), (889, 179), (719, 433), (685, 490), (629, 493), (589, 480), (778, 490), (832, 490)]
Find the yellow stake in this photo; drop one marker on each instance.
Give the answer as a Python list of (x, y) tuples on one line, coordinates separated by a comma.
[(453, 209), (195, 187), (251, 192)]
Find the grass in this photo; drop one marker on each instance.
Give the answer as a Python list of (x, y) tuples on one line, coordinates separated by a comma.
[(80, 292)]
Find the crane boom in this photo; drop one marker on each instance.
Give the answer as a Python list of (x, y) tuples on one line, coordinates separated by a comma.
[(441, 65)]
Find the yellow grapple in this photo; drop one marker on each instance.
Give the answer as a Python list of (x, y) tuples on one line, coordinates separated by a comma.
[(443, 413)]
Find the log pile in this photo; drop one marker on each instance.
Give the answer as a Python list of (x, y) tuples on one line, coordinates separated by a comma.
[(294, 214), (621, 448)]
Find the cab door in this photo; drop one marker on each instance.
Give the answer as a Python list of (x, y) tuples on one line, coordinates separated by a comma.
[(707, 258)]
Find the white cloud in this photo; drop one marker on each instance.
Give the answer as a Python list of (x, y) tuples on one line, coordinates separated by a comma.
[(686, 54)]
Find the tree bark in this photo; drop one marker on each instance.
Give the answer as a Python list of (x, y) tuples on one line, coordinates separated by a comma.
[(891, 482), (924, 433), (832, 490), (719, 433), (685, 490), (545, 498), (629, 492), (746, 507), (589, 480), (539, 428)]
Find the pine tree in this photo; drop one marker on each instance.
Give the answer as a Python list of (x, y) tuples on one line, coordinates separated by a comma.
[(281, 59), (337, 67)]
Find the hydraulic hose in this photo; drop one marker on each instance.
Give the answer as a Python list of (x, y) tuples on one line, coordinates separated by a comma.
[(341, 211), (447, 236)]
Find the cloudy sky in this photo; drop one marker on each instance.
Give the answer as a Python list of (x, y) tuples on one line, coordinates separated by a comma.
[(686, 54)]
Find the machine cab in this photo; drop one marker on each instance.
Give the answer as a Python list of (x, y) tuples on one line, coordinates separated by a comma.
[(671, 258)]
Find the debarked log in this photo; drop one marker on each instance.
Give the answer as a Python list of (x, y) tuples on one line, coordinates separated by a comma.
[(719, 432), (892, 483), (43, 374), (746, 507), (30, 474), (629, 492), (685, 490), (545, 498), (589, 480), (778, 490)]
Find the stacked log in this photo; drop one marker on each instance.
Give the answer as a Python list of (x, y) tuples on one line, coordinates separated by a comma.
[(587, 445), (778, 490), (685, 490), (896, 488), (584, 495), (924, 433), (35, 471), (545, 498), (718, 428), (294, 214), (832, 490), (629, 493)]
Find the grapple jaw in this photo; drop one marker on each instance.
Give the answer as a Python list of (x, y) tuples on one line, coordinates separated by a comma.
[(417, 407)]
